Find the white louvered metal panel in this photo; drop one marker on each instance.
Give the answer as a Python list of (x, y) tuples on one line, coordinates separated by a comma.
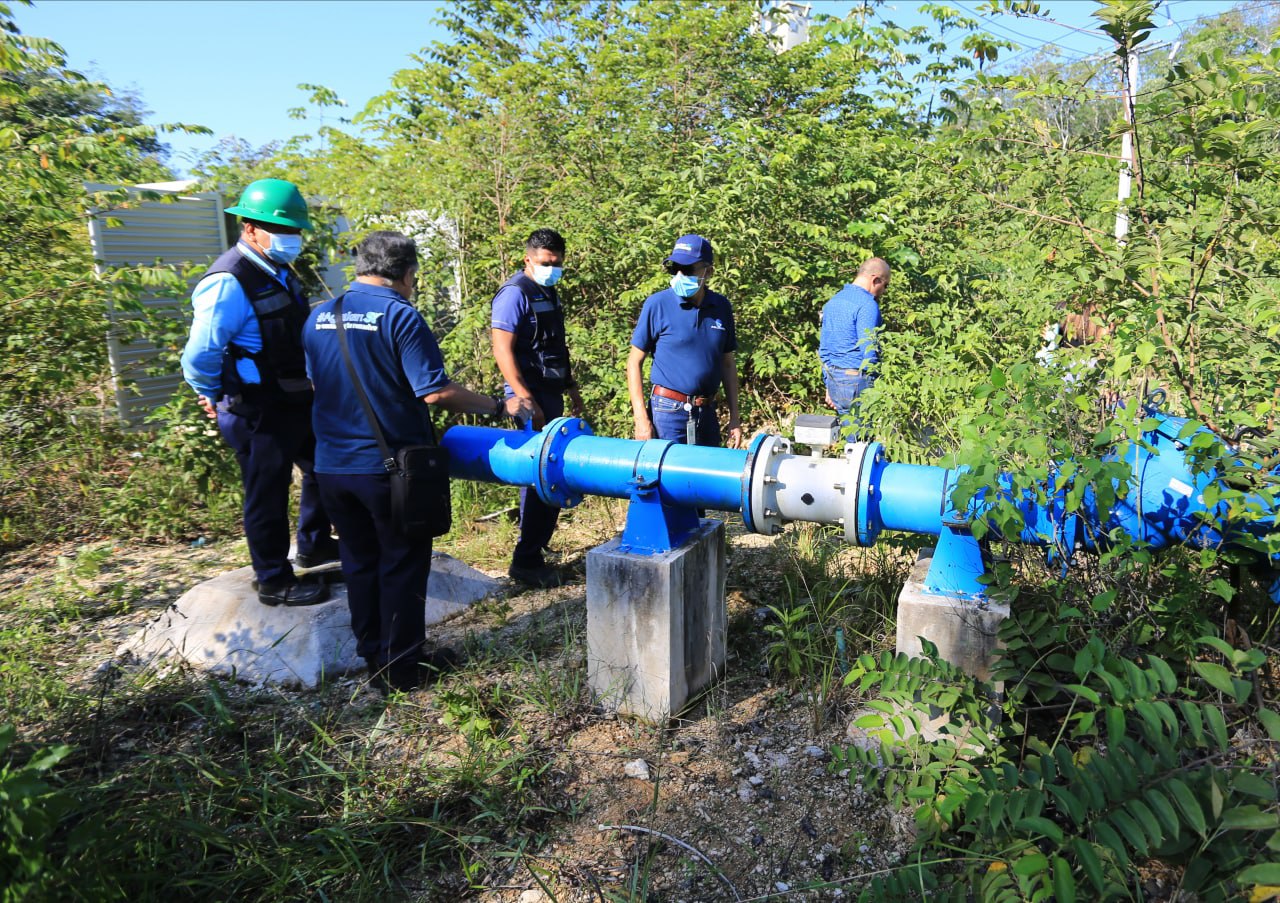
[(183, 228)]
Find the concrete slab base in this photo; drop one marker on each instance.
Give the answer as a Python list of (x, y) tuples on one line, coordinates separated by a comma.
[(656, 623), (966, 631), (966, 634), (221, 627)]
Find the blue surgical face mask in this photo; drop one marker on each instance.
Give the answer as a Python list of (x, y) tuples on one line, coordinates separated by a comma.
[(685, 286), (547, 276), (284, 248)]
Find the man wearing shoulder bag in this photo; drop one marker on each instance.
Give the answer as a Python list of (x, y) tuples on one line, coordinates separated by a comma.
[(364, 444)]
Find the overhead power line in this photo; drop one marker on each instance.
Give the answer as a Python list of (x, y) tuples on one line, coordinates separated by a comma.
[(1022, 38)]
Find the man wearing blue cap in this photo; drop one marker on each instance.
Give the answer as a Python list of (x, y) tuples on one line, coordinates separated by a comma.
[(689, 331)]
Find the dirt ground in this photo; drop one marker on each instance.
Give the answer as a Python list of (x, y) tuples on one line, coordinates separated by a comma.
[(735, 799)]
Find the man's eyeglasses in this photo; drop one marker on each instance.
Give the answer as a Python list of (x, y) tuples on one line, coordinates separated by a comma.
[(686, 269)]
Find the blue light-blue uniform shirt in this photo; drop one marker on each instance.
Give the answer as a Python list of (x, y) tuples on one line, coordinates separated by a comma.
[(398, 361), (850, 321), (687, 343), (513, 313), (222, 315)]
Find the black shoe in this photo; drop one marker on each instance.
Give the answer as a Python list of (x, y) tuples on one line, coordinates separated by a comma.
[(325, 554), (544, 577), (378, 679), (440, 659), (291, 594), (413, 672)]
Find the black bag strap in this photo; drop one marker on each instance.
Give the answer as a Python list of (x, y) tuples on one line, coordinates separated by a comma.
[(388, 457)]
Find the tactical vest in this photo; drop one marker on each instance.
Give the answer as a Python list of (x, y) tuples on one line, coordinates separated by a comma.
[(281, 314), (544, 358)]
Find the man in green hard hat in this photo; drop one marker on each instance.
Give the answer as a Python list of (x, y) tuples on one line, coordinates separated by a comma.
[(244, 359)]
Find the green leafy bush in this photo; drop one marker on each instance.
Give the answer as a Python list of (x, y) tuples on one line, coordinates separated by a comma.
[(30, 810)]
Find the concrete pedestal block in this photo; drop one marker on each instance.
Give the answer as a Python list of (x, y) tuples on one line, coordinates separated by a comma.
[(220, 626), (966, 631), (656, 623)]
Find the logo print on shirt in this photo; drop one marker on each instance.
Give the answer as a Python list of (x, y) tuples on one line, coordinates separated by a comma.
[(716, 324), (365, 322)]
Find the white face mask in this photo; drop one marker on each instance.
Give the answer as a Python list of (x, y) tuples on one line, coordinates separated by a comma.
[(284, 248), (547, 275)]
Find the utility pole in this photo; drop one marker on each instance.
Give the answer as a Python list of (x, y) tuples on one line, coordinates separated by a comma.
[(1128, 94)]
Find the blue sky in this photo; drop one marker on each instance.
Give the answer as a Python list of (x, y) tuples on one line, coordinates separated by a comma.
[(234, 65)]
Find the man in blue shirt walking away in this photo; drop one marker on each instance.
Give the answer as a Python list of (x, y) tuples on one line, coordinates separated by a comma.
[(689, 331), (398, 363), (850, 326), (528, 337), (244, 359)]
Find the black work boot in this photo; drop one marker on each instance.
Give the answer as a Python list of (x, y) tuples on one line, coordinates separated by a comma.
[(543, 576), (413, 671)]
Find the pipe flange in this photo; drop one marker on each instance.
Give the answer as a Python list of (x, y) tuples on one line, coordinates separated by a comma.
[(869, 527), (858, 490), (552, 487), (760, 489)]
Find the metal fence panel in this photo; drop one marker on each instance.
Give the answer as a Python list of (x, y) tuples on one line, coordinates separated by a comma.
[(181, 229)]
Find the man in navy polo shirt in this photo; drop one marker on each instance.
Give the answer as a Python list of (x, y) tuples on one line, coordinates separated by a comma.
[(400, 367), (850, 323), (528, 338), (689, 331)]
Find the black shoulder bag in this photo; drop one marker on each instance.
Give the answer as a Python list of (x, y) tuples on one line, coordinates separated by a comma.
[(420, 504)]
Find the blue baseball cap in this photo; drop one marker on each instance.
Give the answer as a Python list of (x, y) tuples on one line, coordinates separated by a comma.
[(690, 249)]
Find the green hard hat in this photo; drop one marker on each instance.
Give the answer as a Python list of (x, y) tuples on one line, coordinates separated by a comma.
[(273, 201)]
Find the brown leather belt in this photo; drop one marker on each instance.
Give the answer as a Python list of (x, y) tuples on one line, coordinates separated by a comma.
[(696, 400)]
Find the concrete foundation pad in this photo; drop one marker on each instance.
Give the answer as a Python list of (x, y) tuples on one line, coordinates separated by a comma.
[(656, 623), (966, 631), (966, 634), (221, 627)]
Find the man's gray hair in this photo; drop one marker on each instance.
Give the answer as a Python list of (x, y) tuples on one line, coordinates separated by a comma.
[(386, 254)]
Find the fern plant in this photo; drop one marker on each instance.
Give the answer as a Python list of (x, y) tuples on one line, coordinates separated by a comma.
[(1144, 766)]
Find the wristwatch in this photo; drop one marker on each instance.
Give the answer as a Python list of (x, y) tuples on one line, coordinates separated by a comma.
[(499, 407)]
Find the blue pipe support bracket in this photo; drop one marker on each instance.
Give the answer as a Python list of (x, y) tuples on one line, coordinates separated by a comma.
[(654, 527)]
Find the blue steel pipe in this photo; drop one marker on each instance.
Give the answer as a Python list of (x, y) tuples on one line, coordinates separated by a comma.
[(691, 476), (912, 497), (1164, 503)]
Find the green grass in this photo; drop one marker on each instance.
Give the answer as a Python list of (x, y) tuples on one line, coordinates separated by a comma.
[(200, 788), (181, 785)]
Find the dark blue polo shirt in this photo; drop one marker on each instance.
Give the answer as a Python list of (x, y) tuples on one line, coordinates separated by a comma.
[(686, 342), (398, 362)]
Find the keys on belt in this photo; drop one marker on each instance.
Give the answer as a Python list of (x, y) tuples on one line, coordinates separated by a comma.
[(689, 401)]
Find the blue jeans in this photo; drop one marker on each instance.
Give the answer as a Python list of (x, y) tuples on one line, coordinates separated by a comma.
[(844, 389), (671, 420), (537, 518), (386, 571)]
